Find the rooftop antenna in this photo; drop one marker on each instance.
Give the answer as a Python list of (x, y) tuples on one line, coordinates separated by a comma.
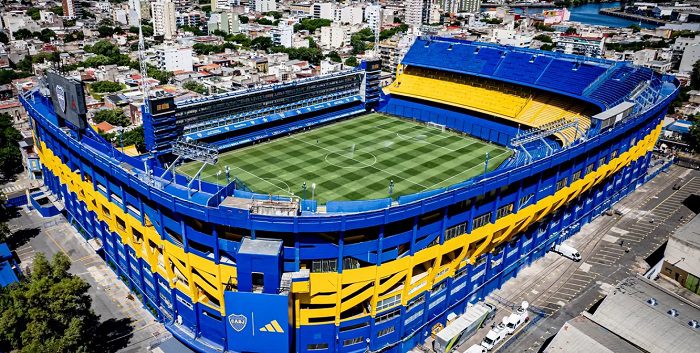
[(142, 60)]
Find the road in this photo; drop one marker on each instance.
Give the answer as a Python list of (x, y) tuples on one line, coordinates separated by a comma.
[(128, 325), (612, 248)]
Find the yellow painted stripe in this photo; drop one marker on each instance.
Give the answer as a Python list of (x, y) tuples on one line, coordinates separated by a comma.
[(277, 327)]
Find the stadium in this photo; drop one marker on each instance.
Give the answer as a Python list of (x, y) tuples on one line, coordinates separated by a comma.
[(334, 215)]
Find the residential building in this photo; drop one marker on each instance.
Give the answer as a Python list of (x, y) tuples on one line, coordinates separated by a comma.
[(333, 36), (574, 44), (469, 6), (172, 59), (682, 255), (193, 18), (417, 12), (323, 10), (227, 22), (69, 10), (392, 50), (282, 35), (134, 11), (163, 12), (373, 16), (262, 5), (351, 15)]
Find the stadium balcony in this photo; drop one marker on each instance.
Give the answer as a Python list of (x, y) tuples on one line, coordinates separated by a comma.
[(622, 82)]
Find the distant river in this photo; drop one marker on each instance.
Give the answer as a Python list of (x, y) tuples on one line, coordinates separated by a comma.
[(588, 14)]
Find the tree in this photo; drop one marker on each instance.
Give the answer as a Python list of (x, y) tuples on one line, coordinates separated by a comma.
[(264, 21), (195, 86), (311, 25), (23, 33), (105, 86), (543, 38), (33, 12), (351, 61), (58, 10), (695, 76), (261, 43), (635, 28), (334, 57), (4, 38), (115, 117), (6, 76), (547, 46), (105, 31), (49, 310), (243, 19), (10, 155)]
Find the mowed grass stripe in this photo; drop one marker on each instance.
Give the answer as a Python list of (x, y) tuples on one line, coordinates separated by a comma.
[(414, 156)]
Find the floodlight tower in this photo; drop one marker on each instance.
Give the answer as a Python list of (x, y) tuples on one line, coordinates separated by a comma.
[(142, 61)]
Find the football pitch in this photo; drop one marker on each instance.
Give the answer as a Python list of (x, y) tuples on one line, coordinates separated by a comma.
[(356, 159)]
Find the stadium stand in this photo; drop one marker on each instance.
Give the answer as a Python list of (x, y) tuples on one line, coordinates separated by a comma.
[(500, 99)]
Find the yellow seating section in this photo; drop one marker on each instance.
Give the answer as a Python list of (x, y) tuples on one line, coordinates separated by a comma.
[(504, 100)]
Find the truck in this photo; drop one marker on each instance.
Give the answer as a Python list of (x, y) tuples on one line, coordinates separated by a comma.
[(567, 251), (463, 327), (495, 335), (476, 349), (517, 318)]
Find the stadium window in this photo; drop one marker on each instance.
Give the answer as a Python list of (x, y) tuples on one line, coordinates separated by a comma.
[(589, 168), (613, 154), (415, 302), (316, 346), (351, 341), (504, 211), (350, 263), (525, 200), (106, 212), (435, 241), (455, 231), (481, 220), (388, 316), (576, 176), (438, 288), (601, 161), (324, 265), (461, 273), (561, 184), (120, 224), (388, 302), (385, 331), (633, 141)]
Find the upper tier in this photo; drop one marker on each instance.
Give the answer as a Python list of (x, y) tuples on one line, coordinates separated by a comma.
[(602, 82)]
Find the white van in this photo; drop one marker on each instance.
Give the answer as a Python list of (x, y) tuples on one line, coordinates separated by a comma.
[(476, 349), (567, 251), (517, 318), (495, 336)]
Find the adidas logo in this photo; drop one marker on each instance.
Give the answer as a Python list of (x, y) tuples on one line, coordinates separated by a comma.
[(273, 326)]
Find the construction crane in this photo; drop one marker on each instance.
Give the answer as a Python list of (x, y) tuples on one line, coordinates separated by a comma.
[(142, 61)]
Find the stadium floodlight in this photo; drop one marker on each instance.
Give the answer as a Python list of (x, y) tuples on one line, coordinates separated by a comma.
[(187, 148), (391, 187)]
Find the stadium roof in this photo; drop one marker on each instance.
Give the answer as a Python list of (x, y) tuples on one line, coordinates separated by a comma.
[(626, 312)]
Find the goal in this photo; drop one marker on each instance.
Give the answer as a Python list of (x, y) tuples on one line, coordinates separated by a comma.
[(433, 125)]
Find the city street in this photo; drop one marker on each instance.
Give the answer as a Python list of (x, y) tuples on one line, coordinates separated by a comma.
[(130, 327)]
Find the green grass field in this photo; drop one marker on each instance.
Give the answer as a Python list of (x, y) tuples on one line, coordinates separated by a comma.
[(355, 160)]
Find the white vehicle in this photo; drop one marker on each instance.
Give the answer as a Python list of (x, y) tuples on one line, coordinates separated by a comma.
[(462, 327), (567, 251), (476, 349), (517, 318), (495, 335)]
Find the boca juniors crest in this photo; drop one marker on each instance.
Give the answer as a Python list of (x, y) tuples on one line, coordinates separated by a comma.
[(61, 97), (237, 322)]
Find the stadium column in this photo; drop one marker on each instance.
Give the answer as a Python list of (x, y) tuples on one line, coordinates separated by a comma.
[(414, 234), (215, 236), (470, 221)]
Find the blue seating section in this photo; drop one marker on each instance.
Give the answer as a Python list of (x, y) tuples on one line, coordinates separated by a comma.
[(455, 57), (522, 67), (620, 84), (604, 82), (569, 76)]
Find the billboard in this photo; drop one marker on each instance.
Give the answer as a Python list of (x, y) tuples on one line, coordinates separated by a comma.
[(68, 98), (257, 322)]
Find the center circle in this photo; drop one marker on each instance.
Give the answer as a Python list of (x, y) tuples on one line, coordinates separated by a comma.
[(351, 160)]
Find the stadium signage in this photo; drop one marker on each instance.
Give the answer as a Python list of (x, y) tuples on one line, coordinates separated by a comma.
[(238, 322), (68, 99)]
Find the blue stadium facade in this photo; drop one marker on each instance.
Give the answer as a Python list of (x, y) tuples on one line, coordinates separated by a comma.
[(225, 272)]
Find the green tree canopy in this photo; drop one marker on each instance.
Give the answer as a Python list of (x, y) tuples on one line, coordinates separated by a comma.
[(115, 117), (195, 86), (48, 311), (105, 86), (10, 155), (543, 38), (351, 61), (311, 25)]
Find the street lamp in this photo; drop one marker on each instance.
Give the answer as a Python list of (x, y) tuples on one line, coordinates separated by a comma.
[(313, 191), (391, 187)]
